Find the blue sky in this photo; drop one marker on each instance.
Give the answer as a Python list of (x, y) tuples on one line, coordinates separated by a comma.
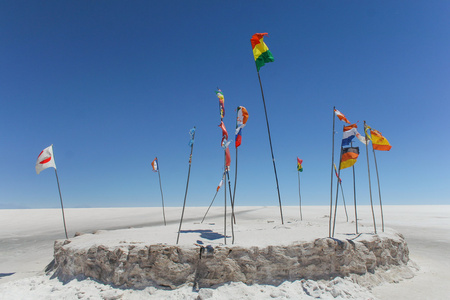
[(112, 84)]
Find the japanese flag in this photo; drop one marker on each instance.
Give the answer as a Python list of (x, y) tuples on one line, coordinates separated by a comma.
[(45, 160)]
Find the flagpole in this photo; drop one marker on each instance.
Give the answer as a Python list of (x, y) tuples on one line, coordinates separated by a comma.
[(271, 149), (187, 186), (235, 182), (162, 197), (299, 196), (354, 199), (232, 208), (332, 164), (370, 185), (337, 192), (62, 206), (225, 200), (343, 199), (379, 189)]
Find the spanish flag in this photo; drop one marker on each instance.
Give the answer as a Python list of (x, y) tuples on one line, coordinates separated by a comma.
[(349, 156), (379, 142), (261, 52)]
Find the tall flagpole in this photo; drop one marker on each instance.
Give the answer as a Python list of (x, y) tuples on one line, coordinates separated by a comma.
[(379, 189), (332, 164), (213, 199), (162, 197), (187, 185), (354, 199), (337, 191), (235, 181), (370, 185), (299, 196), (232, 209), (271, 149), (62, 207)]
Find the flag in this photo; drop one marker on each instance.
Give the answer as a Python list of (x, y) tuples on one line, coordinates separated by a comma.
[(341, 116), (299, 164), (220, 185), (224, 134), (227, 158), (155, 164), (349, 156), (192, 134), (379, 142), (261, 52), (348, 135), (241, 120), (221, 103), (45, 160), (336, 172)]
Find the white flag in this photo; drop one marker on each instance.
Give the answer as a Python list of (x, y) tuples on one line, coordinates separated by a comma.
[(45, 160)]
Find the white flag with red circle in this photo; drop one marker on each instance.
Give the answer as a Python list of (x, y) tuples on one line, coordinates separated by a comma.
[(45, 160)]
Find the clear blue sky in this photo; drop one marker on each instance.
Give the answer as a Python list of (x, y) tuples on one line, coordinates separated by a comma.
[(112, 84)]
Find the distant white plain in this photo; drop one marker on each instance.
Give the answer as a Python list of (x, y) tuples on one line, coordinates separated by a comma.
[(27, 237)]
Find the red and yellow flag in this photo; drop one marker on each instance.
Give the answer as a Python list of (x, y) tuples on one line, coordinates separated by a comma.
[(379, 142)]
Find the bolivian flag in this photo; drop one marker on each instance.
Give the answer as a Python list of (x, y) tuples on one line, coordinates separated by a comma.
[(261, 52), (379, 142), (349, 156), (299, 165)]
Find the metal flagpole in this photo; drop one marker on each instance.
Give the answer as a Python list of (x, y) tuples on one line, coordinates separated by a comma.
[(299, 196), (232, 209), (162, 197), (337, 192), (379, 189), (343, 199), (62, 207), (235, 181), (187, 185), (271, 149), (212, 201), (332, 164), (354, 199), (225, 202), (370, 185)]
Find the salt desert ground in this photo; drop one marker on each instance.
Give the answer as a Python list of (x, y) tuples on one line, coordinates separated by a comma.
[(27, 239)]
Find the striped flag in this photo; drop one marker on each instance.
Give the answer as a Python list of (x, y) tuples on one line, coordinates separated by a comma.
[(155, 164), (261, 52), (242, 117), (341, 116), (349, 156), (299, 165)]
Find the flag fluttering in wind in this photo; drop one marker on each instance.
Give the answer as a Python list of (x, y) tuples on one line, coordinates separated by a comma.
[(348, 135), (225, 143), (261, 52), (341, 116), (191, 133), (224, 134), (349, 156), (221, 104), (45, 160), (379, 142), (337, 175), (242, 117), (299, 165), (155, 165)]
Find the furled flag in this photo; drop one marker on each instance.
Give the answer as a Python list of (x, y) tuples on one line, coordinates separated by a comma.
[(341, 116), (45, 160), (242, 117), (191, 133), (261, 52), (336, 172), (299, 164), (227, 158), (155, 164), (220, 185), (379, 142), (221, 103), (349, 156), (224, 134)]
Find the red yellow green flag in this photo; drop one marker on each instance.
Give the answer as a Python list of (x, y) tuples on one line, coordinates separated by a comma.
[(299, 165), (261, 52)]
